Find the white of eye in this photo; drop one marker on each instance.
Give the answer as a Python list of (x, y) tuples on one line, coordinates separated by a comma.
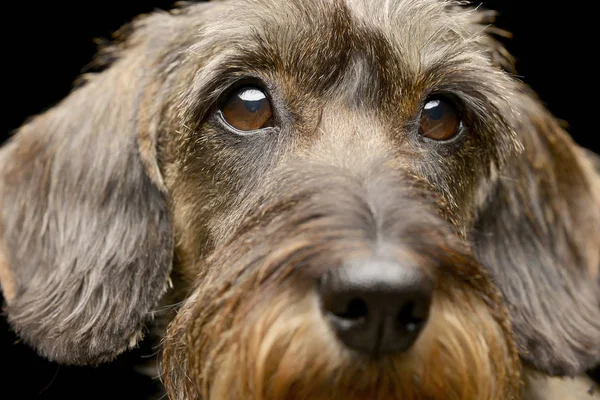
[(252, 95)]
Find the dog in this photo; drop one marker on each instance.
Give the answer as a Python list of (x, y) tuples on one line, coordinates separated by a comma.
[(331, 199)]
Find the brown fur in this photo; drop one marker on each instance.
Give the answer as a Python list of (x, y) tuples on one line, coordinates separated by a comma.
[(131, 195)]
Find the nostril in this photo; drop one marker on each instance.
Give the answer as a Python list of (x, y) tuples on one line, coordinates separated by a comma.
[(356, 309)]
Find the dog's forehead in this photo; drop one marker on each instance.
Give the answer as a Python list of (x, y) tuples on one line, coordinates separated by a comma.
[(318, 43), (406, 22)]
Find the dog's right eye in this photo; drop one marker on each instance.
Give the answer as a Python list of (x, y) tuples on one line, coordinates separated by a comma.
[(247, 109)]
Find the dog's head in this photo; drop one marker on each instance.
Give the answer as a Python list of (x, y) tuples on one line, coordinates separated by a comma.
[(258, 157)]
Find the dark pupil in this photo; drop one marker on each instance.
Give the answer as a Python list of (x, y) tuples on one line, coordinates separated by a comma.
[(435, 109), (253, 105)]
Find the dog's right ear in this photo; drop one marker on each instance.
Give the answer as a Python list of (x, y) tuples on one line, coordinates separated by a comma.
[(86, 244)]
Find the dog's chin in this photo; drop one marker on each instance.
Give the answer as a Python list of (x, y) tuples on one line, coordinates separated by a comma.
[(284, 350)]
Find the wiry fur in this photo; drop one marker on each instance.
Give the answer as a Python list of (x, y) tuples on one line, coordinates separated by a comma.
[(133, 182)]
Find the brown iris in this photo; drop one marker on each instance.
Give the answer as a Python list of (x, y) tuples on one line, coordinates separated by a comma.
[(247, 109), (440, 120)]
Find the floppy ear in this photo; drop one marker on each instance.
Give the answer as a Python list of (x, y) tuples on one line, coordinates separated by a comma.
[(538, 231), (85, 238)]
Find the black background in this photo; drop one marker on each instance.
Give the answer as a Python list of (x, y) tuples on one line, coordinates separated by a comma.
[(46, 44)]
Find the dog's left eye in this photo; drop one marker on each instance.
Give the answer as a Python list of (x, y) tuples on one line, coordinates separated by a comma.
[(247, 109), (440, 119)]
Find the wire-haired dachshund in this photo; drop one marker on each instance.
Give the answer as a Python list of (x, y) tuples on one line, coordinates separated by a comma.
[(318, 199)]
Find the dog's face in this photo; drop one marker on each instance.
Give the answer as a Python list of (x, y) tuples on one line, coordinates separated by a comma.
[(350, 199)]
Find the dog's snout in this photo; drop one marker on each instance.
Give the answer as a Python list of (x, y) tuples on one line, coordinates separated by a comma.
[(375, 306)]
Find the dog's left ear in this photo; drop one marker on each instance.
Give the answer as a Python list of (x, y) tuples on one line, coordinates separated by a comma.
[(538, 231)]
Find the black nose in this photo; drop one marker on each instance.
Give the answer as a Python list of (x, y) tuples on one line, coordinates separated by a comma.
[(376, 306)]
